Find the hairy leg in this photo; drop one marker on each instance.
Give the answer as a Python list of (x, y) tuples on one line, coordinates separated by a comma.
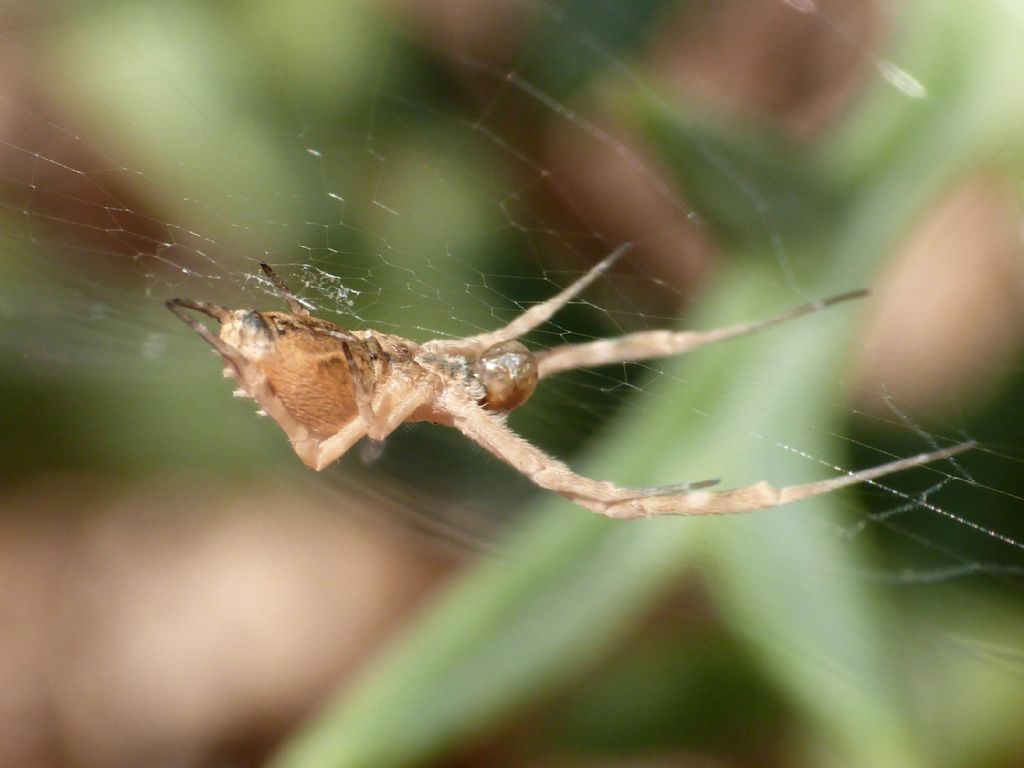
[(397, 401), (318, 454), (615, 501), (764, 495), (645, 345), (528, 320), (292, 300), (490, 431), (364, 393)]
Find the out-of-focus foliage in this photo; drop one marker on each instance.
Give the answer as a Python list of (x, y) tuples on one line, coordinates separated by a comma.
[(513, 631), (247, 115)]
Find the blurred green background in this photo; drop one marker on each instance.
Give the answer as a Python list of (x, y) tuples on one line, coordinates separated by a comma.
[(431, 169)]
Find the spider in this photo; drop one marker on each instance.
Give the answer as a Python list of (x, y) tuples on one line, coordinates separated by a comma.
[(328, 387)]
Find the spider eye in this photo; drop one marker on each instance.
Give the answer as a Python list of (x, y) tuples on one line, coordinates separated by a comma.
[(508, 372)]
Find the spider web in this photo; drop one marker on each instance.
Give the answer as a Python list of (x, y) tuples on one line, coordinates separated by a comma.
[(432, 174)]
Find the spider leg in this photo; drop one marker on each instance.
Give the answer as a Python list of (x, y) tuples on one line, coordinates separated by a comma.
[(294, 304), (531, 318), (764, 495), (375, 421), (317, 454), (645, 345), (615, 501), (398, 402), (364, 397), (490, 431)]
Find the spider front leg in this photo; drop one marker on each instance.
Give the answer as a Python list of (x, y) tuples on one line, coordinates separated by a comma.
[(645, 345), (536, 315), (764, 495), (686, 499), (489, 430)]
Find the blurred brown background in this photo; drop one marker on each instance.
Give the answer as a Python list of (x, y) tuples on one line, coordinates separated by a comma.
[(174, 611)]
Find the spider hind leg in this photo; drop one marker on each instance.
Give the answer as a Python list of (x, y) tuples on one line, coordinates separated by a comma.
[(676, 488), (293, 301)]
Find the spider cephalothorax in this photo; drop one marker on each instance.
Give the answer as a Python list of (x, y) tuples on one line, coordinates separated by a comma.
[(328, 387)]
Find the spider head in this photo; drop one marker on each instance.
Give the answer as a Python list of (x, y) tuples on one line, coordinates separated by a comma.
[(508, 373), (244, 330)]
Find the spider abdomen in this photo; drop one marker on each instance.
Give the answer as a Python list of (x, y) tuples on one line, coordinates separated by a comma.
[(318, 369), (320, 395), (508, 373)]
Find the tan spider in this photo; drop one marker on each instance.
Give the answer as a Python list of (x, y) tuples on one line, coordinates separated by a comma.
[(328, 387)]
